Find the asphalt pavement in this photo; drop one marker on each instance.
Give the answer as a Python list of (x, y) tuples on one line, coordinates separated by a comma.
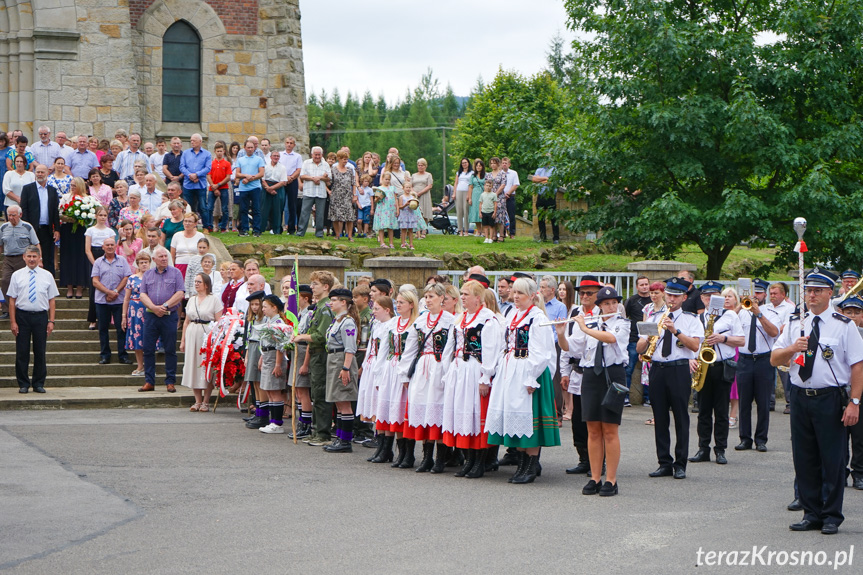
[(169, 491)]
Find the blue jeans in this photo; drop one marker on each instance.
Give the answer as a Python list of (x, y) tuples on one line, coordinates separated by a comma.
[(164, 327), (200, 201), (250, 198)]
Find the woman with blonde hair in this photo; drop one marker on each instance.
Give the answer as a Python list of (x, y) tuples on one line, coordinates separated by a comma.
[(732, 302), (521, 410), (452, 300), (397, 175), (184, 245), (422, 184)]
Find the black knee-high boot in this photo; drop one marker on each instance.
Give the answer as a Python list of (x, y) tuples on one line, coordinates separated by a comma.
[(380, 447), (400, 443), (477, 470), (443, 453), (530, 470), (469, 460), (491, 462), (428, 457), (409, 460), (456, 457), (511, 457), (386, 454), (522, 466)]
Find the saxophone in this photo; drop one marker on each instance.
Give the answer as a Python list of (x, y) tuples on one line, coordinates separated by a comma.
[(653, 340), (706, 356)]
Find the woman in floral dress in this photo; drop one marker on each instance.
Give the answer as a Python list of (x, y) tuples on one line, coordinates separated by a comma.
[(342, 211), (133, 312), (498, 178), (60, 179)]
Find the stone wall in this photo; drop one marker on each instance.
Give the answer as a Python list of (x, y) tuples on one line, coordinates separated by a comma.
[(97, 66)]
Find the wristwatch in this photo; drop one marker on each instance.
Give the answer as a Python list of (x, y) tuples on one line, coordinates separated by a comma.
[(677, 333), (759, 315), (855, 401)]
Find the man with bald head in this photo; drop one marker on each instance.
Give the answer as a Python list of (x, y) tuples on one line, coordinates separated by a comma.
[(162, 290), (255, 282), (40, 207), (195, 164)]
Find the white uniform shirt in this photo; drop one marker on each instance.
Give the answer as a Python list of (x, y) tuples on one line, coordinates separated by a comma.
[(688, 324), (784, 309), (613, 354), (728, 324), (837, 333), (19, 288), (576, 348), (240, 304), (763, 342)]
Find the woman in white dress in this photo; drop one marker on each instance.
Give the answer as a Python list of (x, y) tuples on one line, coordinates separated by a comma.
[(202, 309), (521, 410), (382, 310), (422, 368)]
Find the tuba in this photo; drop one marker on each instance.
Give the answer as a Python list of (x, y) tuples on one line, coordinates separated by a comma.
[(653, 340), (706, 356), (855, 289)]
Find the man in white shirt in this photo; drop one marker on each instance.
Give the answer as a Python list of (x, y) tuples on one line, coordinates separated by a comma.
[(778, 293), (275, 178), (174, 192), (157, 157), (315, 174), (154, 235), (124, 164), (512, 184), (31, 296), (151, 197), (65, 149), (45, 151), (293, 163), (256, 282)]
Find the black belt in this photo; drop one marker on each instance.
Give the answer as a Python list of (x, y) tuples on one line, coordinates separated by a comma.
[(755, 356), (337, 350), (815, 392), (676, 363), (21, 255), (268, 349), (200, 321), (28, 311)]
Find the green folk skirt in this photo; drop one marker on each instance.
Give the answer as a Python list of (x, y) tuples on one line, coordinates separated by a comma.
[(546, 431)]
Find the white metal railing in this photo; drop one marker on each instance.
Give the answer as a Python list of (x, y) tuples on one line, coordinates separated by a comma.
[(793, 287)]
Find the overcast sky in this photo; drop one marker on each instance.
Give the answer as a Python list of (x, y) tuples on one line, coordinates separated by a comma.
[(386, 45)]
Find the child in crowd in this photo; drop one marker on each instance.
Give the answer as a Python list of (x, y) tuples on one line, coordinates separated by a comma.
[(488, 211), (146, 222), (128, 245), (218, 181), (342, 367), (133, 311), (407, 214), (384, 210), (270, 365), (364, 205), (301, 380), (194, 266), (254, 321)]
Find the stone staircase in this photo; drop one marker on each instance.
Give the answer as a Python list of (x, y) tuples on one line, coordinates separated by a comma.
[(75, 378)]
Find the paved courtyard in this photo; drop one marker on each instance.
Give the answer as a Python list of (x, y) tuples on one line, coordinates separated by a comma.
[(168, 491)]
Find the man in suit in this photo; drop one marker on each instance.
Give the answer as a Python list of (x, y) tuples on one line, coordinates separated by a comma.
[(40, 207)]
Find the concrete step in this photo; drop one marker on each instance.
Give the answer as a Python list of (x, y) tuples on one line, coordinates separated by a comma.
[(86, 370), (58, 381), (106, 397), (78, 304), (75, 353), (63, 335)]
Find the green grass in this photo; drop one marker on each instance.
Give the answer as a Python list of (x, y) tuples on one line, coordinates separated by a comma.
[(436, 244)]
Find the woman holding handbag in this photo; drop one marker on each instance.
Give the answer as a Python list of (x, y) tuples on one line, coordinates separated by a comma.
[(603, 359)]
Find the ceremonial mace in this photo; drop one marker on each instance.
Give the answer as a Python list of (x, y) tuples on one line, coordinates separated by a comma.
[(800, 248)]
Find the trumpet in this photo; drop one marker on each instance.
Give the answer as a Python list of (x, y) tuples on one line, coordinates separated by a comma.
[(572, 319), (746, 302), (653, 340)]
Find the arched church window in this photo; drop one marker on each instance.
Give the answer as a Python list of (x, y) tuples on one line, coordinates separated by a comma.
[(181, 74)]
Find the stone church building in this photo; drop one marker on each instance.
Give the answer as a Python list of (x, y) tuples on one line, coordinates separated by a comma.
[(223, 68)]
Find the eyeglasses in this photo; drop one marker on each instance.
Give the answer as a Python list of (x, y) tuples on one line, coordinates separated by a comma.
[(587, 293)]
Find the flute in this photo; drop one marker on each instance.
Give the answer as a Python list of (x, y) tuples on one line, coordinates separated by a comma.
[(572, 319)]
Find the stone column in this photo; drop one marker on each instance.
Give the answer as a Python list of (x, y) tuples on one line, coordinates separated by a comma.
[(403, 270), (26, 112), (659, 270), (4, 81), (307, 265), (12, 87)]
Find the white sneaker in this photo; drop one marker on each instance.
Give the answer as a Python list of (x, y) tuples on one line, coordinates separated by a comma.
[(273, 428)]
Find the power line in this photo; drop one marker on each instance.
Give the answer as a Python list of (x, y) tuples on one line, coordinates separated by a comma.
[(370, 130)]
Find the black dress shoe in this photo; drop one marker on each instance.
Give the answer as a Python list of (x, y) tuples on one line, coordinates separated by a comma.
[(720, 457), (743, 446), (608, 489), (39, 389), (581, 468), (858, 482), (125, 361), (23, 390), (679, 473), (761, 448), (339, 446), (829, 529), (700, 456), (806, 525), (105, 361), (592, 488), (795, 506), (661, 472)]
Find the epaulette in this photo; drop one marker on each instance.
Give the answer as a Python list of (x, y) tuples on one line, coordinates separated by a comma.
[(842, 318), (793, 317), (690, 313)]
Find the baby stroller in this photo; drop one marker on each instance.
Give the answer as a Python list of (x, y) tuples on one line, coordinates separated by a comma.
[(440, 214)]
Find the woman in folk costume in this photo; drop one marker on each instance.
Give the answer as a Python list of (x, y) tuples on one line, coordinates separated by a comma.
[(367, 399), (422, 368), (477, 343), (521, 410), (601, 343), (392, 393)]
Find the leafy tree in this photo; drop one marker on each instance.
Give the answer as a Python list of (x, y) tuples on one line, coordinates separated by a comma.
[(718, 122)]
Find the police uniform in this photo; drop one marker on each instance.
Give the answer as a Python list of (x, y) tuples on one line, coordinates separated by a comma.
[(670, 384), (14, 240), (714, 397), (855, 432), (755, 376), (33, 291), (817, 433)]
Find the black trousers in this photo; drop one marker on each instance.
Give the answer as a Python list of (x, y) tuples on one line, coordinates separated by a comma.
[(547, 201), (31, 325), (818, 444), (46, 242), (579, 428), (855, 434), (713, 402), (91, 311), (510, 210), (670, 387), (755, 378), (292, 206), (104, 314)]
